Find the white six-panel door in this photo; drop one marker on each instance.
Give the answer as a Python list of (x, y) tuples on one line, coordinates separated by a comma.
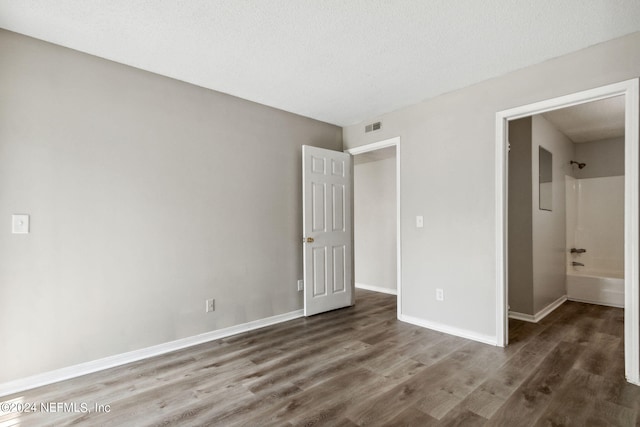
[(328, 260)]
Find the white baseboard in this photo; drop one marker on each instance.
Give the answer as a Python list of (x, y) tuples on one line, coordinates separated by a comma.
[(376, 289), (608, 304), (633, 381), (539, 315), (62, 374), (463, 333), (522, 316)]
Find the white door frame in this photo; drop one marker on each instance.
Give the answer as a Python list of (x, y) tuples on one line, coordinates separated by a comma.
[(377, 146), (630, 90)]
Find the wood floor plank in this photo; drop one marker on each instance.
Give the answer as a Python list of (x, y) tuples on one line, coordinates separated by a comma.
[(411, 417), (463, 418), (439, 349), (506, 379), (605, 413), (382, 408), (326, 400), (298, 371), (360, 366), (482, 403), (403, 370), (568, 407), (531, 399), (596, 358)]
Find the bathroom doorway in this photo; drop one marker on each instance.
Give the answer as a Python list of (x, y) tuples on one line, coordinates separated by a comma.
[(376, 211), (515, 120), (566, 208)]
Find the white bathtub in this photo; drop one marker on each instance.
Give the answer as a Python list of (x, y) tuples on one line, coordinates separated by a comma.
[(596, 287)]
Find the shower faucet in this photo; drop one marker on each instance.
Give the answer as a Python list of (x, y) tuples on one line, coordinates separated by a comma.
[(578, 251), (577, 264)]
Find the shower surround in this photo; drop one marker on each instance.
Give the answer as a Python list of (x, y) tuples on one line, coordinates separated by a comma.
[(595, 222)]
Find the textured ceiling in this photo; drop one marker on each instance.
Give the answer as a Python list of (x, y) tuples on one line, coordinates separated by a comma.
[(591, 121), (333, 60)]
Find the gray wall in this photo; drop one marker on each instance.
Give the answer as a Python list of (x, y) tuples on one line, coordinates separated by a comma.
[(147, 196), (448, 175), (603, 158), (375, 222), (537, 243), (520, 246), (549, 227)]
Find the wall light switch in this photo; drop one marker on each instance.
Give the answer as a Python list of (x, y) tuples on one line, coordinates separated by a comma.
[(419, 221), (20, 223), (210, 305)]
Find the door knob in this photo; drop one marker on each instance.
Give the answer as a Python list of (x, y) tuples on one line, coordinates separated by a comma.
[(307, 240)]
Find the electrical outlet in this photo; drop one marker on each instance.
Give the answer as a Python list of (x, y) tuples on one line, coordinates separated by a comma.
[(20, 224), (439, 295), (301, 285), (210, 305)]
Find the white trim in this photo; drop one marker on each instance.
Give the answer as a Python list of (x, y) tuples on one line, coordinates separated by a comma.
[(62, 374), (629, 89), (631, 228), (522, 316), (463, 333), (373, 146), (539, 315), (586, 301), (395, 141), (376, 289), (502, 182)]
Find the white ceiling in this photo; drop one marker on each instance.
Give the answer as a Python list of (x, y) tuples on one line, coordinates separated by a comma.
[(333, 60), (592, 121)]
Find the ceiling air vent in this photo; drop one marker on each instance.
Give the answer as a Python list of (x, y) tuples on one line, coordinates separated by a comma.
[(373, 127)]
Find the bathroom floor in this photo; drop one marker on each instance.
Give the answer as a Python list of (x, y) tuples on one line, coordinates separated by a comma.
[(367, 368), (577, 375)]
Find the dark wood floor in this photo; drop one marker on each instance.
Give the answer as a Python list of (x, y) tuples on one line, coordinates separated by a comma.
[(360, 366)]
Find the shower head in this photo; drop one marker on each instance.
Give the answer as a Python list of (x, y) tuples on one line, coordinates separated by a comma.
[(580, 165)]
